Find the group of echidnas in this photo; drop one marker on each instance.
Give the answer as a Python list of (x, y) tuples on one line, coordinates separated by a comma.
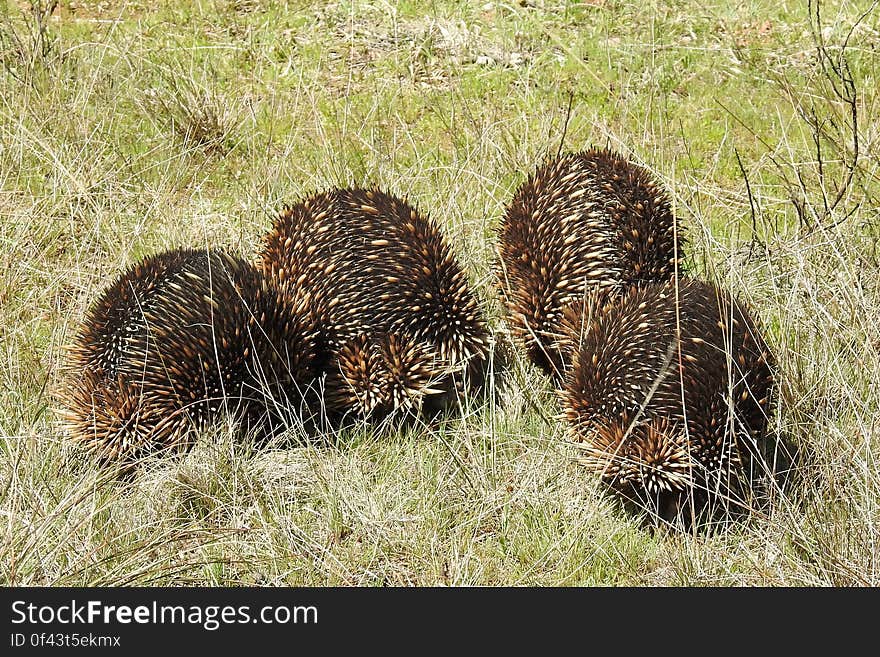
[(665, 381), (357, 308), (354, 309)]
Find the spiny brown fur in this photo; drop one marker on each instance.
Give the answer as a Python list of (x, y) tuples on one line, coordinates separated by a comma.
[(583, 222), (176, 341), (669, 393), (379, 379), (370, 267)]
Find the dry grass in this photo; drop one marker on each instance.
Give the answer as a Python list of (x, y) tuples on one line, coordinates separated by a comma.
[(125, 130)]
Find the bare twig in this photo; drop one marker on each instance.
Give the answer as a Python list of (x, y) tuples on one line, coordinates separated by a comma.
[(24, 48), (565, 125), (753, 242)]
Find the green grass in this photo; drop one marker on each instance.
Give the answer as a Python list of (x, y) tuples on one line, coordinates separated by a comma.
[(126, 128)]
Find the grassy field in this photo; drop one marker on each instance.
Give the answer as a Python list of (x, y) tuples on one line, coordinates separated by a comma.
[(130, 127)]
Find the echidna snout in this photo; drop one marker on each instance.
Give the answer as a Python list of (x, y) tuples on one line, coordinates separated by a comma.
[(380, 377), (653, 455)]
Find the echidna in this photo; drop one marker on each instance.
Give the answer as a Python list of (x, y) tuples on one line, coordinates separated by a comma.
[(583, 222), (175, 342), (669, 394), (400, 327)]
